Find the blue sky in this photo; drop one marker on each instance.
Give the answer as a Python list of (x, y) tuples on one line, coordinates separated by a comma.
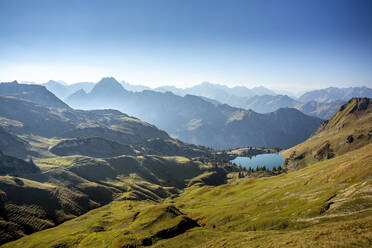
[(282, 44)]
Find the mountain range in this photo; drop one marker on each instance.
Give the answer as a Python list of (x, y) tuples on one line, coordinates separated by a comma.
[(217, 91), (331, 94), (192, 119), (64, 90), (319, 103)]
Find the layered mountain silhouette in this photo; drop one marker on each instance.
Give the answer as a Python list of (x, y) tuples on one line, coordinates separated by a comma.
[(217, 91), (332, 94), (64, 90), (195, 120), (259, 99)]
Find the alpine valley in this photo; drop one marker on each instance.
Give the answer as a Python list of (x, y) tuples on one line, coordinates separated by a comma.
[(97, 169)]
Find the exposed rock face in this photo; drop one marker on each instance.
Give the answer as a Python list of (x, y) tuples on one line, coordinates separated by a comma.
[(351, 109), (360, 104), (325, 152), (349, 139)]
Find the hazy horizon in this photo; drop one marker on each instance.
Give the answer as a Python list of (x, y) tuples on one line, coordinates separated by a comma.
[(296, 92)]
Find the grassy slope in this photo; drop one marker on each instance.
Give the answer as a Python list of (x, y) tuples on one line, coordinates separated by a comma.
[(76, 184), (279, 202), (327, 204), (346, 122)]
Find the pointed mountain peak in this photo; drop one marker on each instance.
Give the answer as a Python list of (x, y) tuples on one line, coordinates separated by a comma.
[(80, 92), (108, 86), (108, 81)]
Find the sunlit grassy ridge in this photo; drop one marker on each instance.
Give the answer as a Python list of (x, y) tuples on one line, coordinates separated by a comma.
[(327, 204), (69, 186), (284, 201), (119, 224), (349, 129)]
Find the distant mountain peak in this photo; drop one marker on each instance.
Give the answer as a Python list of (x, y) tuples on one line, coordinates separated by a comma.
[(108, 80), (52, 82), (55, 83), (108, 85), (80, 92)]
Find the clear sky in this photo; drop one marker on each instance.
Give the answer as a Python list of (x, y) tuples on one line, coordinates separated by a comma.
[(282, 44)]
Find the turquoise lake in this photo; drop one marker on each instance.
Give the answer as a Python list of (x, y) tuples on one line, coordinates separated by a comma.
[(269, 160)]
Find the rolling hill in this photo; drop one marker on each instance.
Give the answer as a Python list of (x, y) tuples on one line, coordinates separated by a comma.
[(34, 198), (105, 178), (325, 204), (13, 145)]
